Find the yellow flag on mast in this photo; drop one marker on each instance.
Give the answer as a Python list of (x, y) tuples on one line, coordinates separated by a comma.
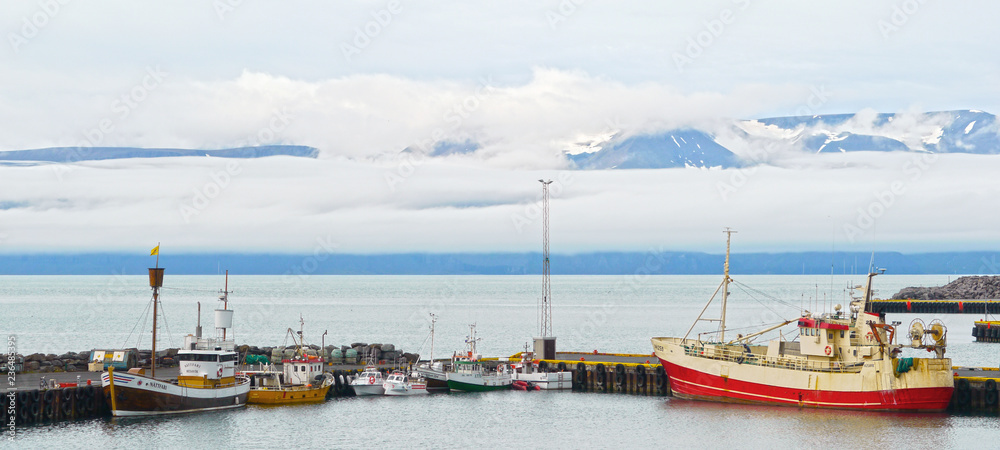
[(155, 251)]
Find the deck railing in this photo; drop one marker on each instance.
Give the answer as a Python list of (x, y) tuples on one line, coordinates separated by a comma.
[(739, 355)]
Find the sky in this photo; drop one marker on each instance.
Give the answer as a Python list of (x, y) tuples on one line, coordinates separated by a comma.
[(363, 80)]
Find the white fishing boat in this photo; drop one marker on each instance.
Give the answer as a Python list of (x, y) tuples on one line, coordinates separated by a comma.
[(528, 371), (401, 384), (844, 360), (207, 379), (434, 372), (369, 381), (470, 373)]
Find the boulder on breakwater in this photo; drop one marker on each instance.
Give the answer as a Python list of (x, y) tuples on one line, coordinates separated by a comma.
[(78, 362), (973, 287)]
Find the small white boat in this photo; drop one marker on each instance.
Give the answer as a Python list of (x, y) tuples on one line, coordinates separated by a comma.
[(528, 371), (369, 381), (399, 384)]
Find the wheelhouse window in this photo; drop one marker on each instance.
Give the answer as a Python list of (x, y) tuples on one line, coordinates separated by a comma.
[(196, 357)]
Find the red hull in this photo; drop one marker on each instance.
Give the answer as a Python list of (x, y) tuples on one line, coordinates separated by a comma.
[(689, 383)]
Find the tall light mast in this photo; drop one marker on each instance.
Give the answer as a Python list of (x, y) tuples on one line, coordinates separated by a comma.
[(545, 327)]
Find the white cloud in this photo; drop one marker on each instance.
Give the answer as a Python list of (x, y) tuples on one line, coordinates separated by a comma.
[(368, 116), (285, 204)]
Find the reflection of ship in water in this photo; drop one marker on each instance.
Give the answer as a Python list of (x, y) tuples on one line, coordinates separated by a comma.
[(859, 424)]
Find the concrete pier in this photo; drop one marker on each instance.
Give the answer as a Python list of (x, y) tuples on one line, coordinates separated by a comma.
[(69, 396)]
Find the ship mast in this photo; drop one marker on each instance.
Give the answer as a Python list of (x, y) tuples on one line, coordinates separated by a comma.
[(225, 300), (155, 282), (725, 286), (433, 319)]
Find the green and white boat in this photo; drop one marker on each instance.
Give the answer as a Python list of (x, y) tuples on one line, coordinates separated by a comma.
[(469, 373)]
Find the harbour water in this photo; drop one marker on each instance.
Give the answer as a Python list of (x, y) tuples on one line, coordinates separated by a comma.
[(52, 314)]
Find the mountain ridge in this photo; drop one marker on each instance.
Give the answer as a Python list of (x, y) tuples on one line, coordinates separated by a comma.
[(956, 131)]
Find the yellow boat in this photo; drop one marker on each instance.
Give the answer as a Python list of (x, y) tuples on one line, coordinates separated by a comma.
[(301, 380)]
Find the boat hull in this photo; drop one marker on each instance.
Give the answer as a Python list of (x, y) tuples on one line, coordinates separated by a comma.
[(474, 387), (437, 379), (694, 385), (402, 391), (368, 389), (287, 396), (137, 395), (434, 384), (928, 389), (547, 380)]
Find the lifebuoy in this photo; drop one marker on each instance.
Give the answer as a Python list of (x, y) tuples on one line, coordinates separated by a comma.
[(828, 350), (219, 373), (870, 337)]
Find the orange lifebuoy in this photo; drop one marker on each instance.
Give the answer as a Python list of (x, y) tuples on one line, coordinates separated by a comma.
[(220, 372), (371, 379), (869, 337), (828, 350)]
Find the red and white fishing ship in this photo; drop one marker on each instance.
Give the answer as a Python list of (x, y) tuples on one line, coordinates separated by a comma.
[(845, 360)]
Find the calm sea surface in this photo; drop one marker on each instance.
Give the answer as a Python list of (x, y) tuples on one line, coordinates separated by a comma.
[(56, 314)]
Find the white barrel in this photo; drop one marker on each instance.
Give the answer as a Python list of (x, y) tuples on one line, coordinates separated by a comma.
[(223, 318)]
